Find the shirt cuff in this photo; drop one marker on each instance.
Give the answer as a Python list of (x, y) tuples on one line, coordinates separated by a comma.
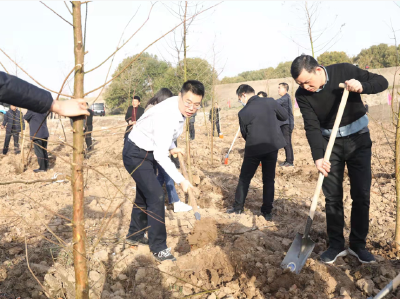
[(172, 146), (317, 153)]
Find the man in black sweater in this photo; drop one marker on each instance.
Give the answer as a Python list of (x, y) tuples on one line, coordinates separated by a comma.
[(263, 135), (132, 115), (319, 97)]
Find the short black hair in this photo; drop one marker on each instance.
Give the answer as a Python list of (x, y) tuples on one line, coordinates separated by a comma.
[(303, 62), (196, 87), (263, 94), (285, 85), (136, 98), (244, 88)]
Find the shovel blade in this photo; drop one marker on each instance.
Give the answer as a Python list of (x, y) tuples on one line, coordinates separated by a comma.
[(296, 257)]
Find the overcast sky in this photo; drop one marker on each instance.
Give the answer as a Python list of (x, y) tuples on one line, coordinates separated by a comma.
[(245, 35)]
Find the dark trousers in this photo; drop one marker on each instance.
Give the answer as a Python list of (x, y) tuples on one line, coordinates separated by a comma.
[(7, 140), (88, 140), (287, 133), (191, 130), (40, 147), (216, 124), (249, 167), (148, 209), (355, 151)]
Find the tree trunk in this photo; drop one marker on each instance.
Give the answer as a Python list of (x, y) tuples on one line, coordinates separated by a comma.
[(22, 143), (397, 172), (185, 79), (78, 230)]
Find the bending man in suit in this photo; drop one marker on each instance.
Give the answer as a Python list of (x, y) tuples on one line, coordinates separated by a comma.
[(263, 135)]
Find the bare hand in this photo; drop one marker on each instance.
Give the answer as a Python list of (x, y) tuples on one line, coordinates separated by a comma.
[(2, 127), (71, 108), (177, 150), (323, 166), (185, 184), (354, 85)]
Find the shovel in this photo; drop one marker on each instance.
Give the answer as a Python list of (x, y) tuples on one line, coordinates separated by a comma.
[(192, 200), (227, 155), (302, 245), (388, 289)]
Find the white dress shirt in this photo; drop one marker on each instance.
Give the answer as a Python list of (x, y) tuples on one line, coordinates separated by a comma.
[(157, 130)]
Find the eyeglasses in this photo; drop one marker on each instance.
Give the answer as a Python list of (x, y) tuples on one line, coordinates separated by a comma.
[(193, 105)]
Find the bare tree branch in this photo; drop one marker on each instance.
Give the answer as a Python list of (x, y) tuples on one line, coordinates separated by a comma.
[(68, 8), (65, 95), (4, 68), (148, 17), (138, 55), (56, 14)]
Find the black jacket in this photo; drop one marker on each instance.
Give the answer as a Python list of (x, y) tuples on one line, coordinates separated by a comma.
[(319, 109), (216, 114), (286, 103), (87, 122), (35, 119), (17, 92), (128, 115), (12, 121), (259, 126)]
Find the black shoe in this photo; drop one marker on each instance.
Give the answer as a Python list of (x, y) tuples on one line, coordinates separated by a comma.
[(136, 242), (233, 211), (363, 255), (267, 216), (330, 256), (282, 164), (164, 255), (39, 170)]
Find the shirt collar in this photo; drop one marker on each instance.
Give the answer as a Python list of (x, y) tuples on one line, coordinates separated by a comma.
[(327, 79)]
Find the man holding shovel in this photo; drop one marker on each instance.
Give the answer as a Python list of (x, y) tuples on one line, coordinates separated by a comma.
[(318, 97), (149, 143)]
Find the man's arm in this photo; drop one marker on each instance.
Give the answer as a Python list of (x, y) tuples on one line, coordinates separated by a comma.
[(371, 83), (243, 128), (20, 93), (28, 116), (281, 113), (128, 115), (312, 128)]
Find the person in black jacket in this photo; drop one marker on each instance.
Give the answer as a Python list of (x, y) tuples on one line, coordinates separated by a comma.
[(215, 123), (287, 125), (132, 115), (261, 130), (89, 128), (319, 97), (12, 123), (191, 126), (262, 94), (39, 134), (20, 93)]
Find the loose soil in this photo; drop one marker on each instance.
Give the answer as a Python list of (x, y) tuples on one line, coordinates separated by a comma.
[(221, 256)]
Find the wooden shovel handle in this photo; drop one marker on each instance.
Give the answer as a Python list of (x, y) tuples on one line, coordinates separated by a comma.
[(329, 147), (396, 281), (192, 199)]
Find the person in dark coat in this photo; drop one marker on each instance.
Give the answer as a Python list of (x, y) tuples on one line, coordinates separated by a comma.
[(39, 135), (216, 111), (262, 94), (191, 126), (20, 93), (132, 115), (263, 135), (287, 126), (12, 123), (89, 128)]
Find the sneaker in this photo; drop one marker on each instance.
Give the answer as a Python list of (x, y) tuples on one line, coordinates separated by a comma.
[(233, 211), (363, 255), (181, 207), (136, 242), (282, 164), (267, 216), (164, 255), (287, 164), (39, 170), (330, 255)]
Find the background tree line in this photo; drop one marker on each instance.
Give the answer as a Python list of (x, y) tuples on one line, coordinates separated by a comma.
[(377, 56)]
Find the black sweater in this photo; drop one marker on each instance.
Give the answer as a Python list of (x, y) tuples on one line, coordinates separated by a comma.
[(319, 109), (259, 126)]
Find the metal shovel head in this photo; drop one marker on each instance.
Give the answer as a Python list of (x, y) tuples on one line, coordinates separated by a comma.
[(297, 256)]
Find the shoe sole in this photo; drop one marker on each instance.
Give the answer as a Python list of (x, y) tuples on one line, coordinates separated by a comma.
[(158, 261), (137, 243), (343, 253), (361, 261)]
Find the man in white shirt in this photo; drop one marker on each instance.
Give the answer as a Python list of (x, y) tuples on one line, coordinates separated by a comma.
[(149, 143)]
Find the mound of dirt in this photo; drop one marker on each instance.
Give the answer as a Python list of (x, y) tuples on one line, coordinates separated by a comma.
[(204, 233)]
